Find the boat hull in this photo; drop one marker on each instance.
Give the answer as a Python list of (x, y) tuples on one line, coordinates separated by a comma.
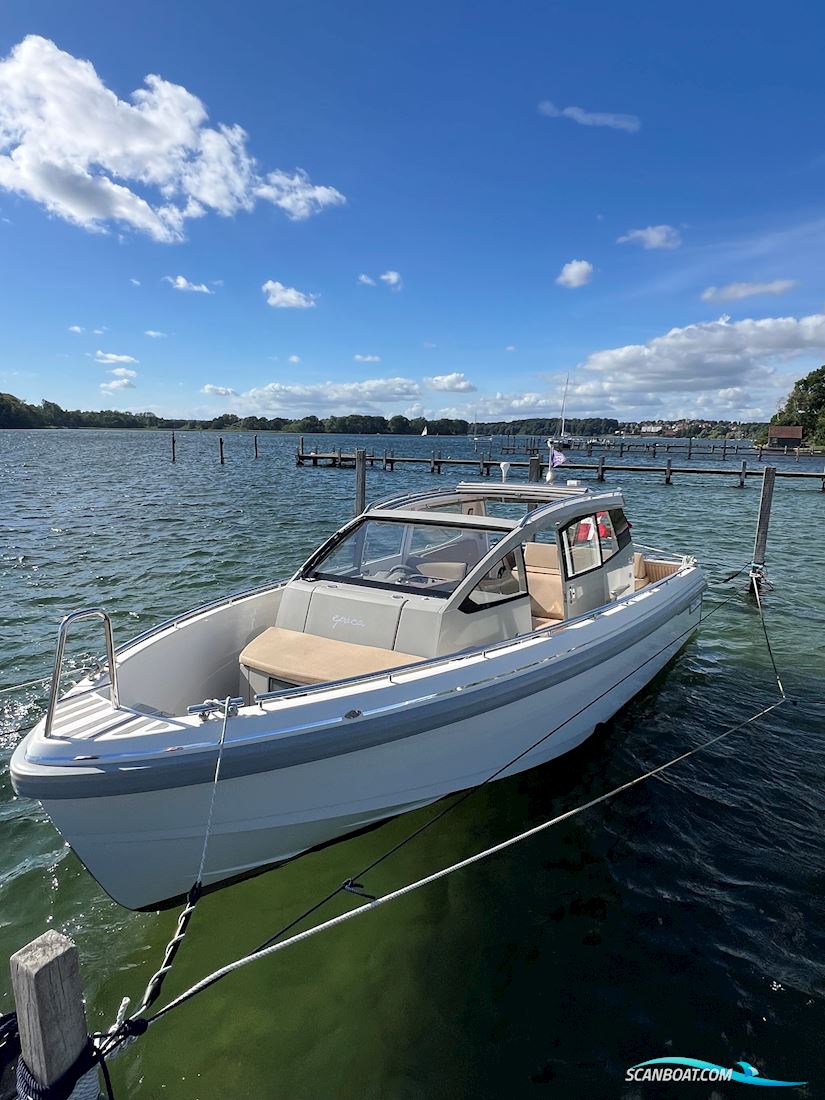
[(293, 779)]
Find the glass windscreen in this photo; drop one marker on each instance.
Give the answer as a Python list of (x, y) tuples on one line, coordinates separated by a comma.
[(393, 554)]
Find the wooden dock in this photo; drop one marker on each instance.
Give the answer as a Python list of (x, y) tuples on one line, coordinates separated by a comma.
[(536, 467)]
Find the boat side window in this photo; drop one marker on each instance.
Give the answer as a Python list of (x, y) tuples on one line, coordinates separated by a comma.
[(580, 540), (504, 580), (614, 532), (621, 526)]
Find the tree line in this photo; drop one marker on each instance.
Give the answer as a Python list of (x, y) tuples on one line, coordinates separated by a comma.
[(15, 413)]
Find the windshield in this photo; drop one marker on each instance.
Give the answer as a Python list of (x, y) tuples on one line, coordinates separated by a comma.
[(404, 555)]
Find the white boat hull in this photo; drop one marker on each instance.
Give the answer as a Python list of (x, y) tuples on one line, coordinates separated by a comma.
[(144, 845)]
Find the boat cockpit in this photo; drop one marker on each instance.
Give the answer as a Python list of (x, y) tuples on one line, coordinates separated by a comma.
[(432, 574)]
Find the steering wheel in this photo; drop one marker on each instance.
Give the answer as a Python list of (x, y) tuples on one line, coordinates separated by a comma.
[(407, 572)]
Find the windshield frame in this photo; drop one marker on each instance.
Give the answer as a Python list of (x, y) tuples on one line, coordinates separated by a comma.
[(311, 572)]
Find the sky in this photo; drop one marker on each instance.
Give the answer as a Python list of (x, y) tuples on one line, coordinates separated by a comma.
[(438, 209)]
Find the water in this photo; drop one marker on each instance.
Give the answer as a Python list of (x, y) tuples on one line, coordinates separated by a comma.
[(685, 917)]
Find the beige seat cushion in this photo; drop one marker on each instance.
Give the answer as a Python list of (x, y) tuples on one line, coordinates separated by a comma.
[(541, 624), (309, 659), (640, 571), (443, 570), (544, 580), (541, 555)]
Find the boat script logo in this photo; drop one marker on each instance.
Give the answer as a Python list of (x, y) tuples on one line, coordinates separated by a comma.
[(692, 1070), (346, 620)]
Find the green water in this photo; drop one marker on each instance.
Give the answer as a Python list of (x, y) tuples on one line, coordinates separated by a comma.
[(685, 917)]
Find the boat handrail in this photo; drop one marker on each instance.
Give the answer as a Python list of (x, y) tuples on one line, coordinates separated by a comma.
[(62, 634)]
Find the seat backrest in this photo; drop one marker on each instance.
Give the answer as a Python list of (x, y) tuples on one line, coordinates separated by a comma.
[(546, 594), (639, 566), (541, 555)]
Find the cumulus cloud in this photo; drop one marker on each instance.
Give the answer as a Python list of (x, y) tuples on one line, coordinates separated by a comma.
[(135, 282), (118, 384), (111, 357), (366, 280), (510, 347), (123, 372), (576, 273), (392, 279), (629, 123), (78, 329), (456, 382), (153, 332), (294, 359), (367, 358), (700, 359), (286, 297), (218, 391), (330, 397), (654, 236), (150, 163), (180, 282), (733, 292)]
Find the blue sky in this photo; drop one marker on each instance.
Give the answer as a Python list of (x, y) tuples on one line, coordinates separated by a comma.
[(485, 159)]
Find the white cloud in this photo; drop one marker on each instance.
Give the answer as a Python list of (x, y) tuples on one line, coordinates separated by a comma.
[(367, 358), (366, 280), (287, 297), (150, 163), (654, 236), (118, 384), (180, 282), (296, 195), (576, 273), (510, 347), (733, 292), (457, 382), (123, 372), (696, 363), (99, 331), (392, 279), (329, 397), (294, 359), (135, 282), (630, 123), (76, 329), (111, 357), (218, 391), (153, 332)]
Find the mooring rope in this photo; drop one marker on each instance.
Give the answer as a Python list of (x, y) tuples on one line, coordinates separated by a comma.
[(125, 1030)]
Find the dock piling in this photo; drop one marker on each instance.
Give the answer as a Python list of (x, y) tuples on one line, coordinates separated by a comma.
[(256, 446), (220, 448), (743, 473), (48, 994), (534, 469), (762, 523), (173, 446), (360, 480), (668, 471), (600, 471)]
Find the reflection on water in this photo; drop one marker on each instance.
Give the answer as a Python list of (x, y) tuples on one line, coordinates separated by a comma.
[(684, 917)]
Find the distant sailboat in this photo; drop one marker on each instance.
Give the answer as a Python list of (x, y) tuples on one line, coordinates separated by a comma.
[(479, 438), (425, 430)]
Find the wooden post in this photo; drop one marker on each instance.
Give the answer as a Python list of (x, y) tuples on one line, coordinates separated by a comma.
[(600, 471), (761, 539), (45, 977), (724, 448), (432, 463), (668, 471), (760, 452), (534, 469), (173, 446), (690, 446), (621, 447), (360, 480), (256, 446), (742, 473), (220, 447)]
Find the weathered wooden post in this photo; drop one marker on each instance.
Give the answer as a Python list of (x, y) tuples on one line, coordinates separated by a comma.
[(256, 446), (668, 471), (724, 448), (173, 446), (761, 540), (621, 446), (220, 447), (48, 995), (534, 468), (432, 463), (360, 480), (600, 471), (743, 473), (690, 446)]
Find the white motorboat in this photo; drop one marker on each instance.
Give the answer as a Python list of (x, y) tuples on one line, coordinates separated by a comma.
[(431, 640)]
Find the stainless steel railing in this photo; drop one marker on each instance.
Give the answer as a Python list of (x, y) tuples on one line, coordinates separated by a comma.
[(62, 634)]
